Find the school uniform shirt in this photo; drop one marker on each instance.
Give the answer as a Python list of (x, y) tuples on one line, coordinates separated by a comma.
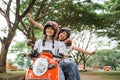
[(59, 47)]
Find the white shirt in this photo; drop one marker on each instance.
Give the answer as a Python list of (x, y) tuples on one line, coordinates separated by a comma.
[(69, 49), (59, 47)]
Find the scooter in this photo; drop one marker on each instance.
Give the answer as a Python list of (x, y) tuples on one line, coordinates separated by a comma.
[(43, 66)]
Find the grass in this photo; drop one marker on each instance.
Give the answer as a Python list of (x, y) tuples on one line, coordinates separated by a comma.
[(84, 75), (12, 73), (110, 75), (102, 75)]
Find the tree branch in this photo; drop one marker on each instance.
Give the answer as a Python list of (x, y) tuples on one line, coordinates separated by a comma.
[(25, 28), (40, 8), (4, 2), (2, 12), (49, 12), (8, 9), (17, 10), (0, 40), (28, 9), (7, 14), (22, 31)]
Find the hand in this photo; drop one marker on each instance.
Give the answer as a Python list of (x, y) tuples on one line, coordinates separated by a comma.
[(66, 55), (30, 42), (29, 15), (27, 54), (92, 53), (57, 59)]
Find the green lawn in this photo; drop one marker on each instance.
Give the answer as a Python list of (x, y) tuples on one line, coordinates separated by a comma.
[(100, 75), (12, 73), (84, 75)]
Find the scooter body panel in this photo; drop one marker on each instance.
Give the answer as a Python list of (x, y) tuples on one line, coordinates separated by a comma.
[(50, 74)]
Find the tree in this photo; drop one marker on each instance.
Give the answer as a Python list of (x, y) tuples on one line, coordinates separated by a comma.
[(75, 14), (105, 58), (11, 25), (110, 19), (85, 39), (42, 11), (84, 13), (20, 48), (22, 61)]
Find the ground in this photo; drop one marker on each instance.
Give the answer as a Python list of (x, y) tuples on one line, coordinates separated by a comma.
[(90, 77), (100, 75), (112, 75)]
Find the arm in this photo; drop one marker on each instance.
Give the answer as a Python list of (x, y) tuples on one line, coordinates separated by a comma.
[(83, 51), (62, 49), (38, 25)]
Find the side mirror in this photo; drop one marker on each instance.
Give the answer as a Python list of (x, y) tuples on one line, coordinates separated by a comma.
[(68, 42)]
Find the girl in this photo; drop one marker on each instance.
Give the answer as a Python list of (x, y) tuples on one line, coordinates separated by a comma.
[(49, 43)]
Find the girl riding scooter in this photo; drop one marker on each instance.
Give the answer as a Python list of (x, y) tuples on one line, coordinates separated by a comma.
[(49, 43)]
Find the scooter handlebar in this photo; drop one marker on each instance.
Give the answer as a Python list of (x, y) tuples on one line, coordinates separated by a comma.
[(58, 56)]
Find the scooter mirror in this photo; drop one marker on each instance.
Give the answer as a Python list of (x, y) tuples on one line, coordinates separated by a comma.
[(68, 42)]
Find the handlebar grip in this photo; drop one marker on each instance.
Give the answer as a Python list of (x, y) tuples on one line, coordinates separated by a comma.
[(57, 56)]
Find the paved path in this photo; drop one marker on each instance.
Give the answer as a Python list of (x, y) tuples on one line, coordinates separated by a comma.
[(90, 77)]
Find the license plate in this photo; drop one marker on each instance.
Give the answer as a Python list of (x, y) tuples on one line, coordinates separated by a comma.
[(38, 79)]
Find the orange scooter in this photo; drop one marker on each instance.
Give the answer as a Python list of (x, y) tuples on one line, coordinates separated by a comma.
[(43, 67)]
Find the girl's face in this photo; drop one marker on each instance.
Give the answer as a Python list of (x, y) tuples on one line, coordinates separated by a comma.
[(63, 35), (50, 31)]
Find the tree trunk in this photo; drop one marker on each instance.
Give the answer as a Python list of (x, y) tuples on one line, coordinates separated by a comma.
[(4, 50), (84, 63), (3, 59)]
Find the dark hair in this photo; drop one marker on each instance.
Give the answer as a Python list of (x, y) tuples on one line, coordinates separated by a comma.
[(53, 24), (44, 40), (67, 30)]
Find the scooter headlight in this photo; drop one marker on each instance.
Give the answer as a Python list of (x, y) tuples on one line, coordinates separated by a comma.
[(40, 66)]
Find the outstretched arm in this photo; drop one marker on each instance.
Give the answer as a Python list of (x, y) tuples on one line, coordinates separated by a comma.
[(38, 25), (83, 51)]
